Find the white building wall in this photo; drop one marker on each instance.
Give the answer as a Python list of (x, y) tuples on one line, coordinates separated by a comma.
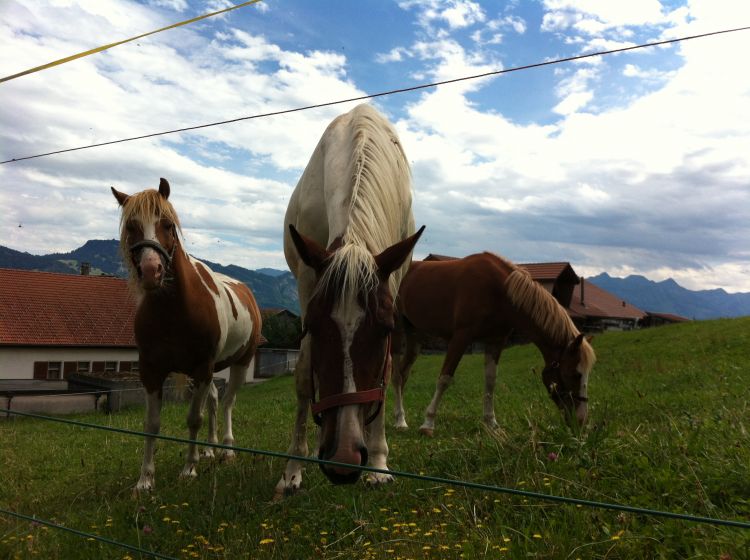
[(18, 363)]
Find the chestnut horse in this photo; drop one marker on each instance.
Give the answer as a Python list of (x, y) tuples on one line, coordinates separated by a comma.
[(483, 298), (348, 237), (189, 319)]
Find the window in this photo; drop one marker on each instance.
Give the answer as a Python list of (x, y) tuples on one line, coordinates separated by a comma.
[(134, 367), (83, 367), (110, 367), (54, 370)]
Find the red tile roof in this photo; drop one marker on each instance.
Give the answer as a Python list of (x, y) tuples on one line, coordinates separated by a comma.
[(538, 271), (598, 302), (49, 309), (546, 271), (669, 317)]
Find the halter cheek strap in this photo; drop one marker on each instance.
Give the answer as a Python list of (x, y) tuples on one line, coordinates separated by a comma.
[(357, 397)]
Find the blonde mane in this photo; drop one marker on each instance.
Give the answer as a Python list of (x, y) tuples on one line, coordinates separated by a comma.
[(143, 207), (379, 209), (546, 313)]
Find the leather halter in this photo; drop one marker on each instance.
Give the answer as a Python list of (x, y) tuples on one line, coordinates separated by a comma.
[(156, 246), (357, 397)]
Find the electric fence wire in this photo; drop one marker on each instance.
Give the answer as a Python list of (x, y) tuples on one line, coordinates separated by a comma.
[(402, 474)]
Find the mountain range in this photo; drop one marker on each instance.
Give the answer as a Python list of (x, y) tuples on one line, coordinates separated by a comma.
[(272, 288), (277, 288), (668, 296)]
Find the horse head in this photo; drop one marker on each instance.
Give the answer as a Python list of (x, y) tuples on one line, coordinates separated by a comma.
[(148, 234), (566, 379), (349, 320)]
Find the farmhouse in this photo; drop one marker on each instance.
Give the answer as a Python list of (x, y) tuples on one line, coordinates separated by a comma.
[(53, 325), (592, 308)]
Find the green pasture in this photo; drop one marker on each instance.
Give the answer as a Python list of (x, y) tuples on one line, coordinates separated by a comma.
[(669, 420)]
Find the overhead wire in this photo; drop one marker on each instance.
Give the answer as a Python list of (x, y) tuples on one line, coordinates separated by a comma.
[(383, 93), (122, 42)]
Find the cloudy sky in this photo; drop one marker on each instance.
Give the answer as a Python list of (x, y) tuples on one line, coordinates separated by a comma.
[(635, 163)]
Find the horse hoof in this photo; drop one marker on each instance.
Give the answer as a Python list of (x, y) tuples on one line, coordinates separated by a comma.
[(401, 427), (144, 485), (189, 472), (207, 453), (227, 456), (286, 488), (429, 432), (376, 479), (281, 493), (142, 488)]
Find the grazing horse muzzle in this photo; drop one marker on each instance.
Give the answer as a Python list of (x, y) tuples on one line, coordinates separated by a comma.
[(354, 454)]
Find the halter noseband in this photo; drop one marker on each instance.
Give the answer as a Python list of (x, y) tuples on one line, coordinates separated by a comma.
[(156, 246), (357, 397)]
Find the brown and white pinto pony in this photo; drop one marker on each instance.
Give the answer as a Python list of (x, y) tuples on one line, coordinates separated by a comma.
[(348, 237), (484, 298), (189, 319)]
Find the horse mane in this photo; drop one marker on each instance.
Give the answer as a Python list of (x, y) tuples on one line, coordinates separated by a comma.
[(142, 207), (546, 312), (378, 210)]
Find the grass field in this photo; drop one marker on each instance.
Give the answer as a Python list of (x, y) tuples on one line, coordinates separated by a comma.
[(669, 414)]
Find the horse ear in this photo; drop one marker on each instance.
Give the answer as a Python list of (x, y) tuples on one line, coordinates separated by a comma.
[(589, 338), (576, 344), (394, 256), (312, 254), (122, 198), (164, 188)]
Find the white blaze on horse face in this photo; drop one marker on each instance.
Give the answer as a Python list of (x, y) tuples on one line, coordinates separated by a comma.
[(149, 262), (582, 410), (348, 316)]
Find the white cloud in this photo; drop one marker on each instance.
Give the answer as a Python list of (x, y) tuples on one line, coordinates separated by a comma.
[(655, 182), (594, 16), (173, 79), (455, 13)]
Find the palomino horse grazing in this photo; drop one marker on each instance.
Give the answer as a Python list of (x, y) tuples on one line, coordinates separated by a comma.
[(348, 236), (483, 298), (189, 319)]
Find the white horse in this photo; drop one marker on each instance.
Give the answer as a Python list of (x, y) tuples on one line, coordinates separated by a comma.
[(348, 237), (189, 319)]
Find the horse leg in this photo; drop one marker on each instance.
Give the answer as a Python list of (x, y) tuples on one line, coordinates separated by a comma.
[(456, 348), (151, 425), (491, 357), (212, 404), (237, 376), (194, 421), (401, 369), (378, 449), (292, 478)]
